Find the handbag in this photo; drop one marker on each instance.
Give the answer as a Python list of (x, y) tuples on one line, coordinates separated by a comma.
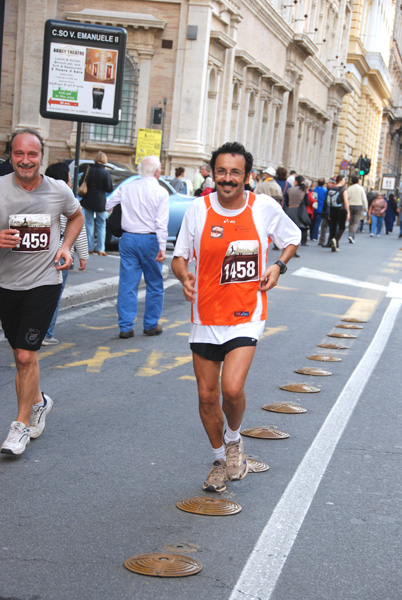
[(114, 221), (83, 188), (303, 215)]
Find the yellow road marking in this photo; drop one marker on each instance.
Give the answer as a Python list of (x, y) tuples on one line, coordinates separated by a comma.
[(188, 377), (95, 364), (273, 330), (390, 271), (153, 364), (178, 324), (184, 333)]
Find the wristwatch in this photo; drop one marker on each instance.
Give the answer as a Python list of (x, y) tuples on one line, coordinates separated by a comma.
[(281, 265)]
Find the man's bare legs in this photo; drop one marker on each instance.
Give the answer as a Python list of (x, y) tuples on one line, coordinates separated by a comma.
[(26, 383)]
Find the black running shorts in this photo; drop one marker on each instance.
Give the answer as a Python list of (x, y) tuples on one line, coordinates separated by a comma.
[(26, 315), (217, 352)]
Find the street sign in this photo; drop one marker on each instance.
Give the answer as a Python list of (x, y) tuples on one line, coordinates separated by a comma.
[(82, 73), (388, 182), (344, 165), (149, 141)]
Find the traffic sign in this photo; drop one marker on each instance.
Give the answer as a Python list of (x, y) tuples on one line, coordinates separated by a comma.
[(344, 164)]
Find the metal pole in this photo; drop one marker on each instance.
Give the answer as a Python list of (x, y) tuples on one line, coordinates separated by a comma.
[(163, 124), (77, 157)]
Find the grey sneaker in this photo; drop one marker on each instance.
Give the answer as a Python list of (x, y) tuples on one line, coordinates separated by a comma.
[(236, 462), (215, 481), (17, 440), (38, 417), (50, 341)]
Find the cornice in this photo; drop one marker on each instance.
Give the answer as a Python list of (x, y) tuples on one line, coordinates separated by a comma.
[(115, 18), (222, 39), (274, 21)]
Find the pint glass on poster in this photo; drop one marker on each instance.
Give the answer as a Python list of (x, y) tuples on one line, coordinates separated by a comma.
[(97, 97)]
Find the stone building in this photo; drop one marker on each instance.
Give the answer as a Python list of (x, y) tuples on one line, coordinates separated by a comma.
[(270, 74), (370, 80)]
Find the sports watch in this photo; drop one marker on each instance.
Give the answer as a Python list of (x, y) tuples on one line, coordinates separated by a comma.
[(281, 265)]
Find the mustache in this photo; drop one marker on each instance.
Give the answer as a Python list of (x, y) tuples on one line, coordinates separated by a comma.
[(229, 183), (25, 165)]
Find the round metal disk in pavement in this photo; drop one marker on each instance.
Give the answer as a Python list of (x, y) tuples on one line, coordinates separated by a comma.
[(313, 371), (256, 466), (332, 346), (284, 407), (266, 433), (163, 564), (348, 326), (347, 336), (213, 507), (353, 320), (303, 388), (324, 358)]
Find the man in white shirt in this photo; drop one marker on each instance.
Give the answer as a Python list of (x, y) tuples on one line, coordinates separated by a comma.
[(357, 204), (144, 220)]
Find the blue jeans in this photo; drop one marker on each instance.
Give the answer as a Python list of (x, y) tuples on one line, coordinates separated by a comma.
[(315, 226), (376, 224), (100, 221), (53, 321), (137, 255)]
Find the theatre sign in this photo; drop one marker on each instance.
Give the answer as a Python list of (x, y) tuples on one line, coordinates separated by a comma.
[(83, 70)]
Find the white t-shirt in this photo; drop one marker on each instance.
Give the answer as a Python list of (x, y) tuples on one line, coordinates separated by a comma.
[(271, 222)]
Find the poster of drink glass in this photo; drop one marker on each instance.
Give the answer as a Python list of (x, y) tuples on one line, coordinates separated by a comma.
[(82, 72)]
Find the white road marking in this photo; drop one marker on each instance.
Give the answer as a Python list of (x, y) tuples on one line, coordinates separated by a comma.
[(264, 566), (313, 274)]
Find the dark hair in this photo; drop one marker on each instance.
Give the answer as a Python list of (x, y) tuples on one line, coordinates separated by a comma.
[(339, 178), (281, 173), (31, 132), (233, 148), (58, 170), (300, 182), (321, 181), (179, 171), (355, 179)]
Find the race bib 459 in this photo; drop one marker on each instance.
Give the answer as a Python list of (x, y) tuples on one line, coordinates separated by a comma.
[(34, 231)]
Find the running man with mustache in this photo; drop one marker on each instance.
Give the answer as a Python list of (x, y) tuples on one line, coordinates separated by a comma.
[(30, 277), (228, 297)]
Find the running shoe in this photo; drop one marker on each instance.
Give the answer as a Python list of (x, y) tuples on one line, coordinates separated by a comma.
[(333, 245), (351, 240), (38, 416), (49, 341), (215, 481), (236, 462), (17, 440)]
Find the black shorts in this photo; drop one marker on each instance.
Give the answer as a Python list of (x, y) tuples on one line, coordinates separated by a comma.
[(217, 352), (26, 315)]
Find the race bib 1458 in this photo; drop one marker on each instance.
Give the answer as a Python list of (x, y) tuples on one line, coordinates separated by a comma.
[(241, 262)]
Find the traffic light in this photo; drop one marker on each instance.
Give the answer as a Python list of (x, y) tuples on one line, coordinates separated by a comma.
[(363, 164), (367, 166)]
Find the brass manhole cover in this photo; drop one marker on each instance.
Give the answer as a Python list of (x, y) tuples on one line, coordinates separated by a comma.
[(348, 336), (266, 433), (350, 326), (284, 407), (332, 346), (256, 466), (324, 358), (163, 564), (213, 507), (353, 320), (303, 388), (313, 371)]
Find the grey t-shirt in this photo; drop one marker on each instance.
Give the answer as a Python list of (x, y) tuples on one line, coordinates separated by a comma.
[(32, 264)]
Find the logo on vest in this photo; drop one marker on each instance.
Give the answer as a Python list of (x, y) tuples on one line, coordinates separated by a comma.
[(229, 221), (241, 313), (216, 231)]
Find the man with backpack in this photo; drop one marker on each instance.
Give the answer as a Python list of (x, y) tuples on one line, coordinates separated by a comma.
[(338, 206)]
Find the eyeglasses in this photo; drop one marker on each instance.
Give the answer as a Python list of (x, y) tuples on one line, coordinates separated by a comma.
[(235, 173)]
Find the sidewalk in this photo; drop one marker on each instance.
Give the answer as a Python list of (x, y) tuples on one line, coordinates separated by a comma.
[(99, 280)]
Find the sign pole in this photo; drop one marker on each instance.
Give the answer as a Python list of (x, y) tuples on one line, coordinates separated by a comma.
[(77, 158)]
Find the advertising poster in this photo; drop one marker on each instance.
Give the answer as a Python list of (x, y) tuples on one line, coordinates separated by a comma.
[(83, 72), (149, 141)]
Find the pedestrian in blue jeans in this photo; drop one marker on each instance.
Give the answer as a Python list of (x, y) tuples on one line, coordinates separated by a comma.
[(377, 212)]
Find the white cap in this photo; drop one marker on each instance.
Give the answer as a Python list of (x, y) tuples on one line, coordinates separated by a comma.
[(271, 171)]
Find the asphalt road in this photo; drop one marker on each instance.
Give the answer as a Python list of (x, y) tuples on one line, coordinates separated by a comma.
[(124, 444)]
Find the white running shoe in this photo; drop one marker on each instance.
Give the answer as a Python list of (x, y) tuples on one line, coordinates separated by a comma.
[(17, 440), (50, 341), (38, 417)]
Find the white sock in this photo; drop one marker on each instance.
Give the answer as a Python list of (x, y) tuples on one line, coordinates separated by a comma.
[(219, 453), (41, 403), (231, 436)]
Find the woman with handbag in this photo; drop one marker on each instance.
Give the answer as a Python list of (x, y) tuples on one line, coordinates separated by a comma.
[(94, 185)]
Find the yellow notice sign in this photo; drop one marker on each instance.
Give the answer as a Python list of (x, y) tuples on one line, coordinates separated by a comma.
[(149, 141)]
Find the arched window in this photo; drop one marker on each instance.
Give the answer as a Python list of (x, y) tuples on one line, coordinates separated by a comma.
[(122, 133)]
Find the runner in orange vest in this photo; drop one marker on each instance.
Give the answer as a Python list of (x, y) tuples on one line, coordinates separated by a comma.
[(228, 234)]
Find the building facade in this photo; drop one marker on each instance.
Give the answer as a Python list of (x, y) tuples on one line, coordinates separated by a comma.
[(268, 74)]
